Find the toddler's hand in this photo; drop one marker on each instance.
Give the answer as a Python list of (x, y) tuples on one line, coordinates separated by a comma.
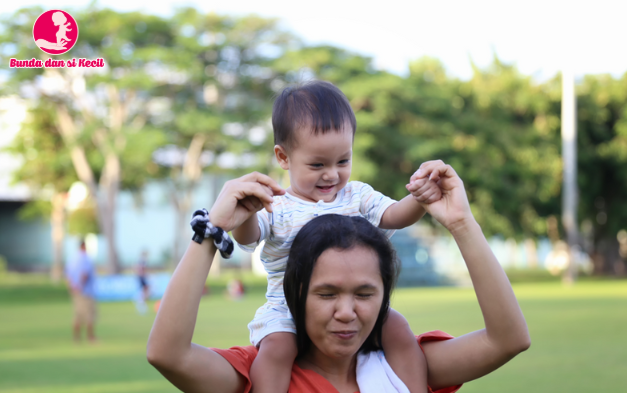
[(424, 190), (253, 203), (452, 208), (229, 212)]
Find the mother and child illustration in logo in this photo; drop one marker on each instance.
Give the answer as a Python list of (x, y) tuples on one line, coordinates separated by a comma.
[(55, 32)]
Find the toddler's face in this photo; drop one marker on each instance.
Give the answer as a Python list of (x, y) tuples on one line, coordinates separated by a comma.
[(319, 165)]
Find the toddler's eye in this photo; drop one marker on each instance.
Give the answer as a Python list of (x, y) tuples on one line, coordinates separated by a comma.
[(343, 162), (315, 165)]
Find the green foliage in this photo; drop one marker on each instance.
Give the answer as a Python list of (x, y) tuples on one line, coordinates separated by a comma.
[(602, 153), (45, 158), (228, 82), (138, 167), (484, 128), (46, 165), (3, 266), (326, 62), (116, 37), (35, 209), (83, 221)]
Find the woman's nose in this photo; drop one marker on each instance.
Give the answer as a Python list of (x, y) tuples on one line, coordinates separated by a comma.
[(345, 309)]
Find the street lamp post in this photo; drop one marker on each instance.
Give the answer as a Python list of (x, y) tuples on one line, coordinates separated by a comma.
[(569, 161)]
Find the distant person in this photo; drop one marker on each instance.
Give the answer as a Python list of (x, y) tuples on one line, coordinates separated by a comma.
[(143, 283), (235, 289), (80, 275)]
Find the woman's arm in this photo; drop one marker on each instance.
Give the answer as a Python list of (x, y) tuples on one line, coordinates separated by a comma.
[(505, 335), (190, 367), (476, 354)]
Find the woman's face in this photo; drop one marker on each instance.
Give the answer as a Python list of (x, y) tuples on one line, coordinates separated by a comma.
[(343, 301)]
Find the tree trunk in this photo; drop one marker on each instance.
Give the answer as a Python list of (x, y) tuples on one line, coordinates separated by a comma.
[(188, 179), (106, 192), (109, 186), (217, 261), (570, 193), (57, 221), (606, 257), (182, 206), (532, 253)]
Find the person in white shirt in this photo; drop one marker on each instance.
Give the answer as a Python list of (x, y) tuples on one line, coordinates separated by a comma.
[(80, 276)]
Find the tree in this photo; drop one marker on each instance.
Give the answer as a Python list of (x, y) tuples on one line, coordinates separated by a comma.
[(602, 167), (222, 102), (99, 113), (47, 169), (486, 128)]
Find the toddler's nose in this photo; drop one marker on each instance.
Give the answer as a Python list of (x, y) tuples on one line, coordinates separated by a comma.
[(330, 175)]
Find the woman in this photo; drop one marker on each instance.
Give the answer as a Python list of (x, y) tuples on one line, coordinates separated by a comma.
[(343, 304)]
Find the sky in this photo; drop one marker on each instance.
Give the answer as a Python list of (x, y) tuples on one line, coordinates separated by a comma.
[(541, 37)]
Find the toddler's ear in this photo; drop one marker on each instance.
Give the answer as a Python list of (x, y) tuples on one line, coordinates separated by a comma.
[(281, 157)]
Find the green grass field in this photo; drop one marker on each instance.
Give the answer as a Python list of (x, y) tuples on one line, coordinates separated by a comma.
[(579, 338)]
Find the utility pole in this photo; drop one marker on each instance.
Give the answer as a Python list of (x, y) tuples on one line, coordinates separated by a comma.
[(570, 195)]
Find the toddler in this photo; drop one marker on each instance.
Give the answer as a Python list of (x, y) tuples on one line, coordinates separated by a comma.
[(314, 126)]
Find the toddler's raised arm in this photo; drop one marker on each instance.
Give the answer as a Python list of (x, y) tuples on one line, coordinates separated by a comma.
[(409, 210)]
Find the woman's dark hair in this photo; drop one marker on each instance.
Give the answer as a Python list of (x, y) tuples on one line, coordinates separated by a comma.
[(315, 104), (339, 232)]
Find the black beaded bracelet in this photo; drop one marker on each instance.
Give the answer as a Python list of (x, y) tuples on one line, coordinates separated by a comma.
[(204, 229)]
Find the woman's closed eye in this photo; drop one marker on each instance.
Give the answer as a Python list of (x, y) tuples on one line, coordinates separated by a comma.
[(367, 295)]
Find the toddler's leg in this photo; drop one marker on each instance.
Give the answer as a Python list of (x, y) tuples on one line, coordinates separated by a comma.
[(272, 368), (403, 353)]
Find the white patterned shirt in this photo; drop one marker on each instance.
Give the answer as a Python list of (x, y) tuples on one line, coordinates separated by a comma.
[(291, 213)]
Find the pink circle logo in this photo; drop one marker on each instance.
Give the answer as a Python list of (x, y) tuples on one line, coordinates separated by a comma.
[(55, 32)]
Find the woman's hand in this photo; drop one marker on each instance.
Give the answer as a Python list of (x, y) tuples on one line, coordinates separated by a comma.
[(452, 209), (241, 198)]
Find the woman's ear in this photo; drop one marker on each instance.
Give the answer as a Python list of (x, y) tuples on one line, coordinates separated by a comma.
[(281, 157)]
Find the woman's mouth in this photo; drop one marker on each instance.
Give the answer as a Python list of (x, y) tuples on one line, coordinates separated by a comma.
[(325, 189), (345, 334)]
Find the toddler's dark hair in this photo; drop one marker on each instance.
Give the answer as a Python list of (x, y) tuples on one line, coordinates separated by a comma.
[(318, 105)]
